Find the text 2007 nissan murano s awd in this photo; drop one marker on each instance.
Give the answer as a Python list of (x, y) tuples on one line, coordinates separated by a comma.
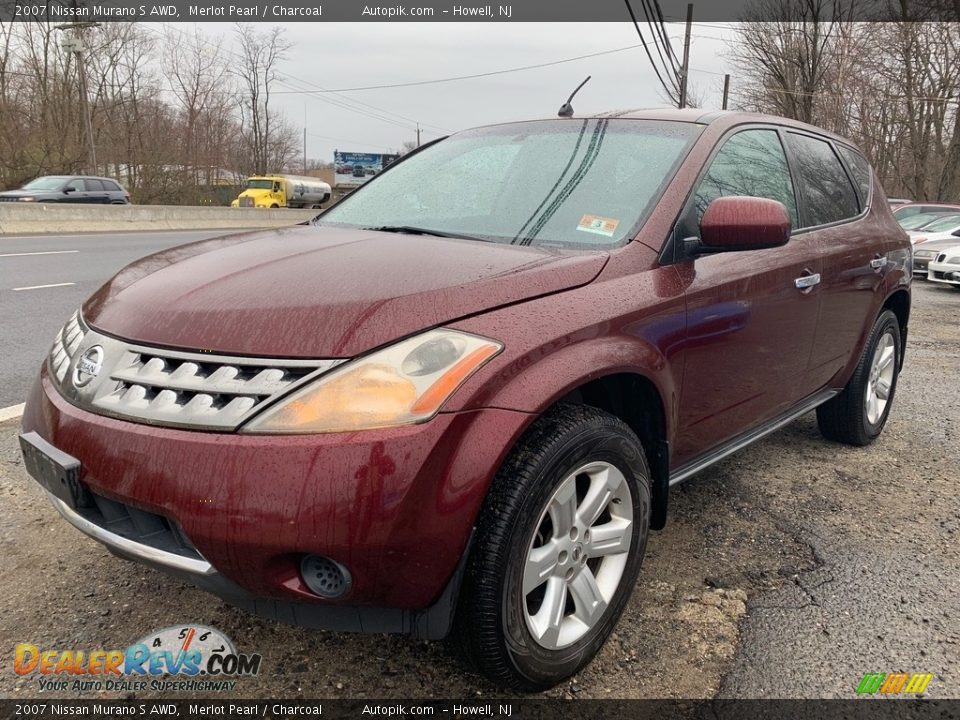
[(457, 400)]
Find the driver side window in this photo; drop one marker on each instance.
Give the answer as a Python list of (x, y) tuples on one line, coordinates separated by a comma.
[(751, 163), (76, 185)]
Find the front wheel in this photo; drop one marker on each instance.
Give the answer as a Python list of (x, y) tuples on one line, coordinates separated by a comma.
[(858, 414), (558, 547)]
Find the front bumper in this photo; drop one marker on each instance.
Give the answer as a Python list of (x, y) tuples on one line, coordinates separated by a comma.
[(396, 507), (944, 273)]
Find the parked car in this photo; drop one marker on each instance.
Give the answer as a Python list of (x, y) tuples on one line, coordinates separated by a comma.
[(929, 251), (459, 398), (69, 189), (904, 212), (947, 226), (945, 267), (916, 222)]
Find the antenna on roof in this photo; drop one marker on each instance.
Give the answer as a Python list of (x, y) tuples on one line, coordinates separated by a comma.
[(566, 110)]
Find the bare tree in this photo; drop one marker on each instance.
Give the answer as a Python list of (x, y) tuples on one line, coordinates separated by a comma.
[(268, 138), (890, 86)]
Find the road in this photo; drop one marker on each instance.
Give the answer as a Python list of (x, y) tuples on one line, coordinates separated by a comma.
[(790, 569), (44, 278)]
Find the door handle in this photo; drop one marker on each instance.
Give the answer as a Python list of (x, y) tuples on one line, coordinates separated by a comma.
[(878, 261), (805, 282)]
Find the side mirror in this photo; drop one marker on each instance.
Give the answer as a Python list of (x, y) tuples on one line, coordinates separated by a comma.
[(743, 223), (956, 233), (68, 189)]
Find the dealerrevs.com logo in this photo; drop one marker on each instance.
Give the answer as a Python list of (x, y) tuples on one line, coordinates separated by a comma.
[(186, 658)]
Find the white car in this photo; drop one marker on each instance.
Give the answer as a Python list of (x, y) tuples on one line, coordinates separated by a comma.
[(941, 229), (945, 268)]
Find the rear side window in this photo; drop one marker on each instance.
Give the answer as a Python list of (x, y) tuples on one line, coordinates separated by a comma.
[(93, 184), (827, 192), (110, 185), (861, 172), (750, 163)]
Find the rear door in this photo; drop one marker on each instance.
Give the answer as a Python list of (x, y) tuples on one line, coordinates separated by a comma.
[(834, 183), (96, 192), (749, 325)]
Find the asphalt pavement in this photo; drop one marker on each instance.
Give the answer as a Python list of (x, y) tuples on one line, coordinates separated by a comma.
[(44, 278)]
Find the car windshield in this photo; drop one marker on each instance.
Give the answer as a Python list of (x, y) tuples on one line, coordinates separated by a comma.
[(943, 224), (46, 183), (916, 221), (568, 183), (259, 184)]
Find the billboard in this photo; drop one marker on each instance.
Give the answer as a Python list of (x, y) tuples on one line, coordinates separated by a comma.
[(353, 169)]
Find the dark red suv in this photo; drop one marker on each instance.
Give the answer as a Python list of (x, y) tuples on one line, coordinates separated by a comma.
[(458, 398)]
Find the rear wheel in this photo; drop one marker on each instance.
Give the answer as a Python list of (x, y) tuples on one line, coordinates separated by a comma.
[(558, 547), (274, 206), (857, 415)]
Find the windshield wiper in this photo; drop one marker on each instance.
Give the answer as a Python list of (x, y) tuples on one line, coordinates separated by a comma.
[(412, 230)]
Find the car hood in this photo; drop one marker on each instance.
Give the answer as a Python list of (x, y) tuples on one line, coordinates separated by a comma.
[(24, 193), (937, 245), (310, 291)]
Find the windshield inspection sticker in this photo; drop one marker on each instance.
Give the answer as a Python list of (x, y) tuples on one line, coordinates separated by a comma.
[(598, 225)]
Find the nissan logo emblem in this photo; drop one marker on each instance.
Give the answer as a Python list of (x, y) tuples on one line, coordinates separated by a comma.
[(88, 366)]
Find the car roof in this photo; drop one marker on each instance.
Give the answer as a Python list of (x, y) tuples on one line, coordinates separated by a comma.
[(728, 118), (922, 203)]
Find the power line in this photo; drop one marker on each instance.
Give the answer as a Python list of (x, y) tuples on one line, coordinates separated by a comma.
[(657, 40), (655, 21), (636, 25), (293, 82), (663, 29), (484, 74)]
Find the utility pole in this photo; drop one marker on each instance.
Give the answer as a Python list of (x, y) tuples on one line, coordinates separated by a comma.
[(418, 134), (304, 138), (74, 43), (726, 90), (685, 71)]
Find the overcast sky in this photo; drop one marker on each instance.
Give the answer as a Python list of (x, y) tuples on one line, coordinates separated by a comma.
[(345, 55)]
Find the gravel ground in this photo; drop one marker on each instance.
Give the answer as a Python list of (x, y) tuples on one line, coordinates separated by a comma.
[(787, 570)]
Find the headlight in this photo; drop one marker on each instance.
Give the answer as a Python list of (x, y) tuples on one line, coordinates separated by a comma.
[(26, 199), (924, 254), (403, 384)]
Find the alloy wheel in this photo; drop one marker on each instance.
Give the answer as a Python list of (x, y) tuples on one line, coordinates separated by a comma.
[(880, 380), (578, 554)]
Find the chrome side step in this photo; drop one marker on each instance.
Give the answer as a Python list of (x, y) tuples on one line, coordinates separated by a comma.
[(750, 437)]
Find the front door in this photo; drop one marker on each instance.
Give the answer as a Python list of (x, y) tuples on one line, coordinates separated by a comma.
[(749, 325)]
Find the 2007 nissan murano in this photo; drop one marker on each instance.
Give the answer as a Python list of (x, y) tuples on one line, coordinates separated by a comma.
[(458, 399)]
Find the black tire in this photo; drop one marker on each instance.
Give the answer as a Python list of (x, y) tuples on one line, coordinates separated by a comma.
[(844, 418), (491, 625), (274, 206)]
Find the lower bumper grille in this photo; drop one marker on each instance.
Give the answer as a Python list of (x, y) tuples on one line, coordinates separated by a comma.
[(139, 526)]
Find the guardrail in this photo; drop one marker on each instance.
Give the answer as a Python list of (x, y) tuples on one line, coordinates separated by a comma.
[(29, 219)]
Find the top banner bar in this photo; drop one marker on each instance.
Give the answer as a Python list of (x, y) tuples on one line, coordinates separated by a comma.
[(528, 11)]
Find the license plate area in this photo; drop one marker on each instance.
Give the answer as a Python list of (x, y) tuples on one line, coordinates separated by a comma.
[(56, 471)]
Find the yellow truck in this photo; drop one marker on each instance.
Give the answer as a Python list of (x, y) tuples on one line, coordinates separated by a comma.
[(277, 191)]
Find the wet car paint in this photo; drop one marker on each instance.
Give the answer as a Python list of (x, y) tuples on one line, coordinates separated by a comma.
[(710, 336)]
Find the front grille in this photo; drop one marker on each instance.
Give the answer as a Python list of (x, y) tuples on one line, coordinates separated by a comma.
[(137, 525), (65, 346), (172, 387), (941, 257), (938, 275)]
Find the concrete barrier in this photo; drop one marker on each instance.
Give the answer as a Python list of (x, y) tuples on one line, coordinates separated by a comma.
[(39, 218)]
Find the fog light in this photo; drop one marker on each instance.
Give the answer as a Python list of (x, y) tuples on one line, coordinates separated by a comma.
[(325, 577)]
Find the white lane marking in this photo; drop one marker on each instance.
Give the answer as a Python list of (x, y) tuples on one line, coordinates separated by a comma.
[(9, 413), (40, 287), (45, 252)]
